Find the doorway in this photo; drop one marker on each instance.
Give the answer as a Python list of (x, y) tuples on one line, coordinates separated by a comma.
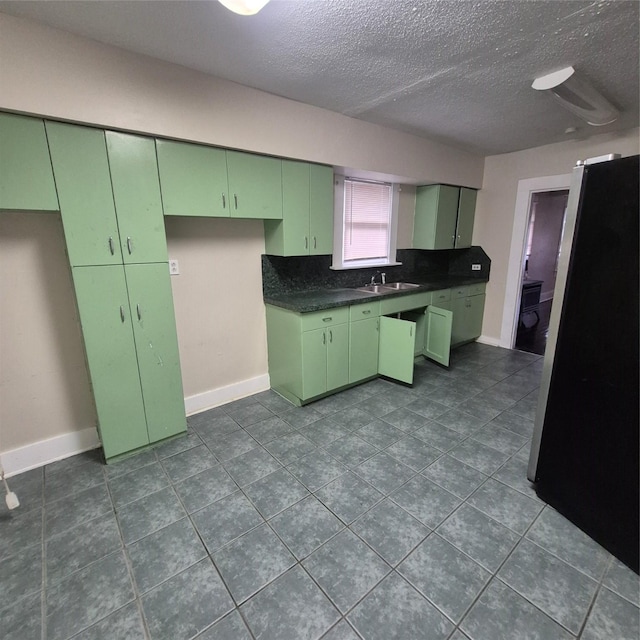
[(542, 249)]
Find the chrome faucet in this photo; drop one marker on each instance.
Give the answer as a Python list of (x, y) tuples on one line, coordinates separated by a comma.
[(383, 278)]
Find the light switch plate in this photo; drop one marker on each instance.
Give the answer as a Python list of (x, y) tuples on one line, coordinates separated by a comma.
[(476, 267), (174, 268)]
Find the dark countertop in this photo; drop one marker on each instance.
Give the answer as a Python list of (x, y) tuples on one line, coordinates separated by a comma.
[(319, 299)]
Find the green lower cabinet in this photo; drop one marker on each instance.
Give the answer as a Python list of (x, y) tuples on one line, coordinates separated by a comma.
[(363, 349), (314, 363), (130, 342), (26, 176), (337, 356), (396, 349), (467, 318), (437, 334)]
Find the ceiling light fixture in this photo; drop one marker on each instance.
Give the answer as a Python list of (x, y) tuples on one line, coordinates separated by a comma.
[(244, 7), (575, 94)]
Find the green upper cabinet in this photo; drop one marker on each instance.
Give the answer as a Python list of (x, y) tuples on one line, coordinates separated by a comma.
[(136, 192), (255, 186), (193, 179), (26, 176), (306, 227), (81, 170), (444, 217)]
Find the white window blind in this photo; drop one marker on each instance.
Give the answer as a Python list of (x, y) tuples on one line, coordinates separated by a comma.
[(367, 220)]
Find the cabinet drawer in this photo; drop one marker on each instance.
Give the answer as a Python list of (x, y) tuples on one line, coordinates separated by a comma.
[(442, 295), (326, 318), (460, 292), (476, 289), (362, 311), (405, 303)]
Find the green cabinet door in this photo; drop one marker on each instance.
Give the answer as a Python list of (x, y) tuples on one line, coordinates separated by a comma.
[(26, 177), (435, 217), (396, 349), (466, 215), (193, 179), (103, 304), (363, 349), (81, 170), (446, 217), (157, 348), (314, 363), (255, 186), (320, 209), (293, 230), (136, 192), (437, 337), (337, 356), (459, 322), (475, 314)]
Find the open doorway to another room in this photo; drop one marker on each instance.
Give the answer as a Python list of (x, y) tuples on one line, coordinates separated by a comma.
[(544, 233)]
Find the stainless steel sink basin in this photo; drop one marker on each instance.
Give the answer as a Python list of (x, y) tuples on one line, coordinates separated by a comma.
[(399, 286), (373, 288)]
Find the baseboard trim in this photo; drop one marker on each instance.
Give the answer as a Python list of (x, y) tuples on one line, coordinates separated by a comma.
[(216, 397), (46, 451), (493, 342)]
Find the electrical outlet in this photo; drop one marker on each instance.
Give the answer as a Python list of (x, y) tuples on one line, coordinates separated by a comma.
[(476, 267), (174, 268)]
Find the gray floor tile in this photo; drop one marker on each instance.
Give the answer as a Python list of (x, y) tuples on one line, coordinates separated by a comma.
[(269, 429), (405, 419), (21, 575), (415, 453), (384, 472), (137, 484), (382, 403), (455, 476), (460, 421), (164, 553), (149, 514), (481, 408), (485, 540), (425, 501), (231, 445), (78, 547), (225, 520), (124, 623), (63, 483), (131, 463), (208, 416), (351, 450), (88, 596), (250, 414), (527, 406), (177, 445), (29, 488), (80, 507), (501, 614), (612, 617), (438, 436), (22, 620), (316, 469), (447, 396), (275, 492), (324, 431), (479, 456), (558, 589), (215, 427), (300, 417), (19, 530), (514, 422), (428, 408), (251, 466), (274, 402), (507, 506), (187, 603), (346, 569), (332, 404), (205, 488), (288, 448), (93, 456), (514, 473), (188, 463), (231, 627), (349, 497), (252, 561), (290, 608), (380, 434), (620, 579), (390, 531), (396, 611), (342, 631), (500, 439), (352, 418), (305, 526), (447, 577), (557, 535)]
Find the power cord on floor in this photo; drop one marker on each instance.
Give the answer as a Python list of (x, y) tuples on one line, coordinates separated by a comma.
[(11, 498)]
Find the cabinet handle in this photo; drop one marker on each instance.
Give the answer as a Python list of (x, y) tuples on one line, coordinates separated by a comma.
[(330, 335), (122, 313), (306, 242), (111, 245), (129, 245), (329, 319), (235, 200), (324, 338), (410, 331), (138, 312), (224, 201), (367, 312), (315, 244)]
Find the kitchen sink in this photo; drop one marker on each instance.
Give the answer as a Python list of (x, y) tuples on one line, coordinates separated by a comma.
[(374, 288), (386, 288), (399, 286)]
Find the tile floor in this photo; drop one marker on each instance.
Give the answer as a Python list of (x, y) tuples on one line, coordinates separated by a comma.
[(382, 512)]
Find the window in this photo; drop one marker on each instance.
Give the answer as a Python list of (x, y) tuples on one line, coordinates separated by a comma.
[(365, 223)]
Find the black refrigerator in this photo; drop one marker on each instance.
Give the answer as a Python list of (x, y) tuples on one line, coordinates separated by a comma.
[(584, 453)]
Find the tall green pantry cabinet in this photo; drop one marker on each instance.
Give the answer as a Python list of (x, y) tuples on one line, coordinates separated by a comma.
[(111, 208)]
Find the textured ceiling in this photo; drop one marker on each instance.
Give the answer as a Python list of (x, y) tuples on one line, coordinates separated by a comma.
[(455, 71)]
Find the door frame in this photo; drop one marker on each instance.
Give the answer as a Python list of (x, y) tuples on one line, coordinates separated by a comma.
[(513, 290)]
